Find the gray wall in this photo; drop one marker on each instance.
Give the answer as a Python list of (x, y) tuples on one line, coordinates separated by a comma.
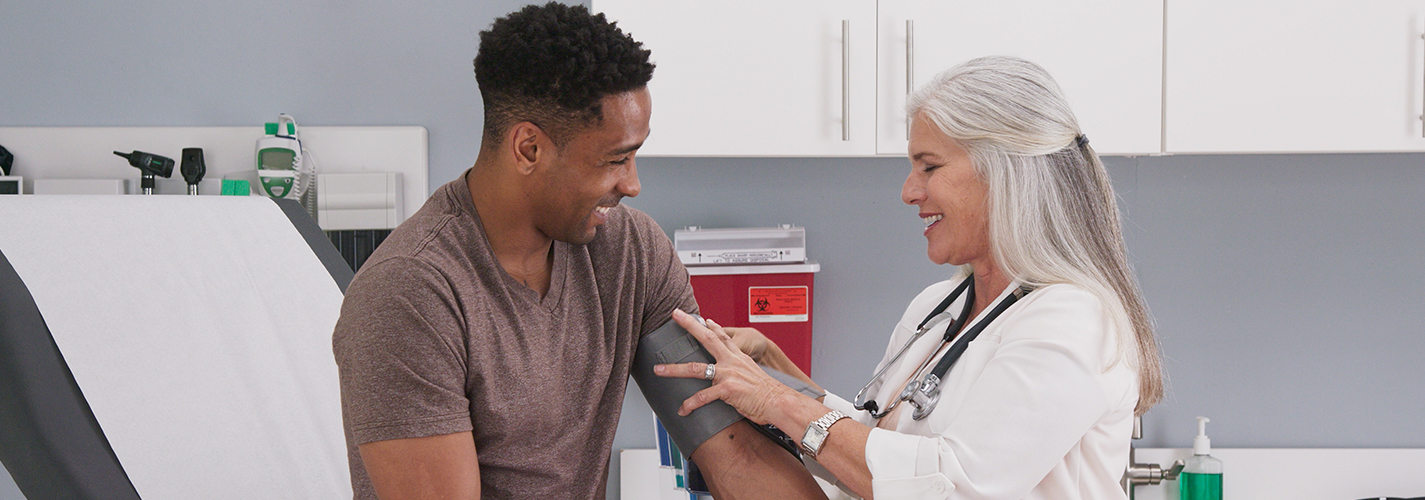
[(1284, 286), (1282, 283)]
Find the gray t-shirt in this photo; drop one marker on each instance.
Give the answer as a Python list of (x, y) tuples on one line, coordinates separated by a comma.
[(436, 338)]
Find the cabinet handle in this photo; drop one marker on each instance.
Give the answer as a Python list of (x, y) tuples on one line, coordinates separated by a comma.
[(1422, 103), (845, 79), (909, 68)]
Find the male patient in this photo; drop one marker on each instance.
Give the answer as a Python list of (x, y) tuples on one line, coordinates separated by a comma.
[(485, 347)]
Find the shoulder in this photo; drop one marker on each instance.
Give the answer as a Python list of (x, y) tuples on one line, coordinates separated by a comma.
[(1065, 314), (401, 301), (440, 238), (398, 287), (394, 273), (1064, 298)]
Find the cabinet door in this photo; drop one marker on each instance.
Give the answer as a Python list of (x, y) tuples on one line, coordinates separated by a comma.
[(1294, 76), (1107, 56), (756, 78)]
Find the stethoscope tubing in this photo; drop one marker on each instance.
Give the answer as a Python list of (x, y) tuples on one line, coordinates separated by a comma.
[(924, 393), (935, 317)]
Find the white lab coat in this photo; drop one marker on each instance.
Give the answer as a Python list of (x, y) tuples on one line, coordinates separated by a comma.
[(1032, 410)]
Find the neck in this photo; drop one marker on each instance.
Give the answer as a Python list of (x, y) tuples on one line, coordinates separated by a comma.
[(522, 249), (990, 282)]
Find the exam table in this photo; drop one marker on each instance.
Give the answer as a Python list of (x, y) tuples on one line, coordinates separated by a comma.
[(169, 347)]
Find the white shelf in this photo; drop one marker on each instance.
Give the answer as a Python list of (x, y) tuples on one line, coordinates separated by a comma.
[(87, 152)]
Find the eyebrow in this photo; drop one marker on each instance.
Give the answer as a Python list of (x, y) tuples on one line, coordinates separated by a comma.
[(626, 149), (921, 156)]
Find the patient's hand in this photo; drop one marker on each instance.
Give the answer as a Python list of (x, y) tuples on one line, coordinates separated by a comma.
[(750, 341)]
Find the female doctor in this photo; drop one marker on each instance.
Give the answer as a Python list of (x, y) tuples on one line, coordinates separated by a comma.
[(1031, 361)]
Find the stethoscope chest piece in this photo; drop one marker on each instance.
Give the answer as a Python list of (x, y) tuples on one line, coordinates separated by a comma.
[(923, 394)]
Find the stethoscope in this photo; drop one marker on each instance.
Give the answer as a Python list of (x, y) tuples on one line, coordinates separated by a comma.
[(924, 394)]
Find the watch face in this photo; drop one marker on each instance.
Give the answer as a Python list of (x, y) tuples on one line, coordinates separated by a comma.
[(813, 439)]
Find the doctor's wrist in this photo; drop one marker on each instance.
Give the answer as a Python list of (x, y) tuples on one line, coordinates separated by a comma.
[(795, 412)]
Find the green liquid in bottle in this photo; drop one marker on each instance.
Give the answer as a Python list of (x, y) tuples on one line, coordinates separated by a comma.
[(1194, 486)]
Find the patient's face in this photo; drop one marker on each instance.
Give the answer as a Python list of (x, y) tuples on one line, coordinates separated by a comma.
[(595, 170)]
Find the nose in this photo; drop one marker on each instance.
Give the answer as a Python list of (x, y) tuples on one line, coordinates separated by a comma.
[(913, 191), (629, 185)]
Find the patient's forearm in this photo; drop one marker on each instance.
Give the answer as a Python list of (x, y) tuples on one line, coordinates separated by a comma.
[(740, 463)]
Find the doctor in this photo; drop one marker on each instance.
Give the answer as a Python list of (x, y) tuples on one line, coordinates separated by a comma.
[(1031, 361)]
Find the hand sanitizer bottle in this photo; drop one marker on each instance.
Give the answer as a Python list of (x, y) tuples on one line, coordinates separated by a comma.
[(1202, 475)]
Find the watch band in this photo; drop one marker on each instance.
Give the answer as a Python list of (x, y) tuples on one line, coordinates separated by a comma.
[(820, 428)]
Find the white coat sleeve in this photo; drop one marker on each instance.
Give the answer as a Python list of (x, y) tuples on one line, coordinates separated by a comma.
[(1034, 401), (836, 403)]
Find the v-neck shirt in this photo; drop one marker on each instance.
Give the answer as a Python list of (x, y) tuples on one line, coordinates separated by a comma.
[(436, 338)]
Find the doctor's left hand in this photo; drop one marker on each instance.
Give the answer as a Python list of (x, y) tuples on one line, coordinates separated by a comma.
[(737, 379)]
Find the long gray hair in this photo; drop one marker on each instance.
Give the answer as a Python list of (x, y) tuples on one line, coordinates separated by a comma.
[(1053, 217)]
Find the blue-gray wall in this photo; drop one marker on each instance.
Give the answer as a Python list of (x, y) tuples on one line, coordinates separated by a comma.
[(1285, 286)]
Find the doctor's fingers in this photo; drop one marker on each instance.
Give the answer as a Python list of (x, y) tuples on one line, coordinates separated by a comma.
[(708, 338), (753, 396), (685, 370), (718, 330), (750, 341)]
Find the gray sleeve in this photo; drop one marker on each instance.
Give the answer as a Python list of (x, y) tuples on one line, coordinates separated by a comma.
[(670, 343)]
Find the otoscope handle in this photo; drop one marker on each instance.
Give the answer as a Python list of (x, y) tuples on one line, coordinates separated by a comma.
[(146, 183)]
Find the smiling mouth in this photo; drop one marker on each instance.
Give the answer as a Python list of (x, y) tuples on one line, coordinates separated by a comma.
[(603, 210), (931, 220)]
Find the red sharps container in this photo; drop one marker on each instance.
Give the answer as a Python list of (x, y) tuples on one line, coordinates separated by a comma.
[(757, 277)]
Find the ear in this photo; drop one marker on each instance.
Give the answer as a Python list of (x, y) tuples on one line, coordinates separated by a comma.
[(528, 145)]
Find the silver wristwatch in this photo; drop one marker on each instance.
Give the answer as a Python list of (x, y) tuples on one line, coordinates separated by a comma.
[(817, 431)]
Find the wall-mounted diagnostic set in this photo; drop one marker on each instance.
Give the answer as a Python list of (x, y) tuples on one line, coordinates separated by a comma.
[(149, 165), (8, 184), (283, 169), (193, 168)]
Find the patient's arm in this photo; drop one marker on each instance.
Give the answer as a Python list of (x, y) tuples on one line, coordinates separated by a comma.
[(435, 467), (741, 463), (737, 461)]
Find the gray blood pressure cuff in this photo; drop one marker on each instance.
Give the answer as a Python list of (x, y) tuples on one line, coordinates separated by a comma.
[(671, 344)]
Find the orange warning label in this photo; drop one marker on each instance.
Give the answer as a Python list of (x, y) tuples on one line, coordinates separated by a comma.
[(768, 304)]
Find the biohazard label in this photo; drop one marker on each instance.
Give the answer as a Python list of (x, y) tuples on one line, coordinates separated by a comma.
[(777, 304)]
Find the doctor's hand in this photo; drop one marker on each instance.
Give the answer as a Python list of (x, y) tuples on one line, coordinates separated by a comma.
[(737, 379), (750, 341)]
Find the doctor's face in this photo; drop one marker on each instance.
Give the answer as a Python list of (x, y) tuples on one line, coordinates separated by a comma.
[(950, 195)]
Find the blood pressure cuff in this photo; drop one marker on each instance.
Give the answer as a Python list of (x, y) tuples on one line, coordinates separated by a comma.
[(671, 344)]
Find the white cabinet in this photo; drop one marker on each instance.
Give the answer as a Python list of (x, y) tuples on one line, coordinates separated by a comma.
[(766, 78), (1106, 55), (756, 77), (1294, 76)]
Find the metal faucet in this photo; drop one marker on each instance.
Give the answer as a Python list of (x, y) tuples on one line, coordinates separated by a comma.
[(1138, 474)]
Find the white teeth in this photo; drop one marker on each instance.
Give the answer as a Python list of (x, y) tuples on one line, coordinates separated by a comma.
[(603, 210), (932, 219)]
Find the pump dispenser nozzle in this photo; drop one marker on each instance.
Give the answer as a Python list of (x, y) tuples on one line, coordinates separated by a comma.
[(1201, 445), (1202, 474)]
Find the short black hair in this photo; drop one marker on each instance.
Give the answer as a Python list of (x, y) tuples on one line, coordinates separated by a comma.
[(551, 65)]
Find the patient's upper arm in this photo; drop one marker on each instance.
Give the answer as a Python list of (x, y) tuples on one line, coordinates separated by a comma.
[(435, 467)]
